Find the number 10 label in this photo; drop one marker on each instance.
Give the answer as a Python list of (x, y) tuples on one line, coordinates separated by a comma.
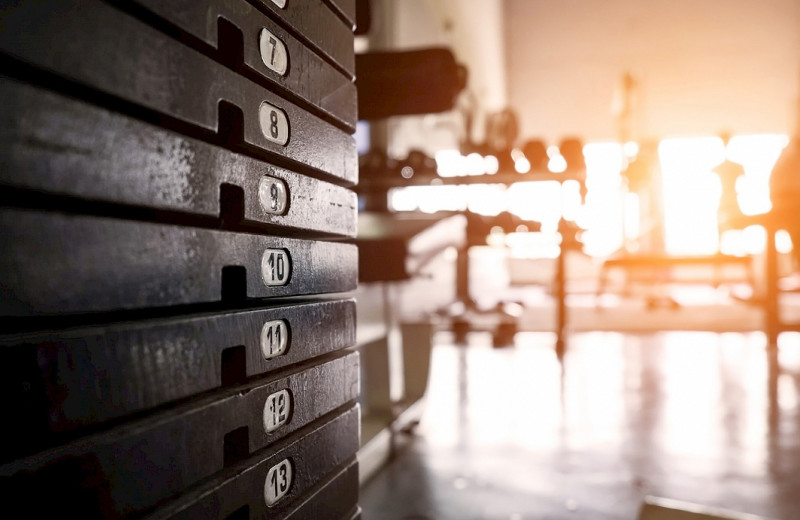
[(276, 267), (274, 124), (279, 481)]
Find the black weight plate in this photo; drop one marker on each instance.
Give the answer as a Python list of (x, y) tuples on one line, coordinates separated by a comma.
[(55, 264), (99, 46), (59, 381), (318, 26), (306, 74), (312, 458), (346, 10), (140, 464), (55, 144), (336, 498)]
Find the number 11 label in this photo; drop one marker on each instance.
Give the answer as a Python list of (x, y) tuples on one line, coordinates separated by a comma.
[(274, 338), (279, 481), (276, 267), (273, 52), (274, 124)]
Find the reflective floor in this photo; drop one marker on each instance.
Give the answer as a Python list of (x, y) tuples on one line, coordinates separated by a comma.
[(512, 434)]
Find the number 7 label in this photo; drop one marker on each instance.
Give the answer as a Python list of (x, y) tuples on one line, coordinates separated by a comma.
[(273, 52)]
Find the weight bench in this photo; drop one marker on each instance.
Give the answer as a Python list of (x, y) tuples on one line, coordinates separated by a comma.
[(657, 269)]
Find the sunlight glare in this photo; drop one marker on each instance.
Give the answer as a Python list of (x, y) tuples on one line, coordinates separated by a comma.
[(691, 190), (557, 163), (491, 164), (448, 163)]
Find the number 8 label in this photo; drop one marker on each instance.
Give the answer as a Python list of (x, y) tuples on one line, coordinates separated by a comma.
[(273, 52), (276, 267), (274, 124)]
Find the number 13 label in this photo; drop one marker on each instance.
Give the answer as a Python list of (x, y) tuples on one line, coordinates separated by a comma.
[(274, 124), (276, 267), (273, 52), (279, 481)]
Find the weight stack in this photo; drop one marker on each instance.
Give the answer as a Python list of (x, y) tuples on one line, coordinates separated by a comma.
[(176, 311)]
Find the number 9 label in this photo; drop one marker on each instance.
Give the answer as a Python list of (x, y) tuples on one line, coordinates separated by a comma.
[(279, 481), (274, 124), (276, 267), (273, 52), (272, 194)]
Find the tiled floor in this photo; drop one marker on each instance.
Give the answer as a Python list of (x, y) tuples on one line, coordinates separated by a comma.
[(512, 434)]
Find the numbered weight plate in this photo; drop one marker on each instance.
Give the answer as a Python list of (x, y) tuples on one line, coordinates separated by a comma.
[(181, 446), (97, 46), (55, 264), (66, 147), (55, 382), (269, 51), (316, 25), (324, 480)]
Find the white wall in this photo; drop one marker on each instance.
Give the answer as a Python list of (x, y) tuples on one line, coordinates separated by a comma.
[(701, 65), (473, 30)]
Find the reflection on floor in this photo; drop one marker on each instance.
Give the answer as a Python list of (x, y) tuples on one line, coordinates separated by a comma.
[(507, 434)]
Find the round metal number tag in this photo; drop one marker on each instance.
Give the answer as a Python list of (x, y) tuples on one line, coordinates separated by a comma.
[(274, 124), (273, 195), (277, 409), (274, 338), (273, 52), (276, 267), (279, 482)]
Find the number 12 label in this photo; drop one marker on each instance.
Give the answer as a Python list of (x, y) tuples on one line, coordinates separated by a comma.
[(276, 410), (273, 52), (279, 481), (276, 267), (274, 124)]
